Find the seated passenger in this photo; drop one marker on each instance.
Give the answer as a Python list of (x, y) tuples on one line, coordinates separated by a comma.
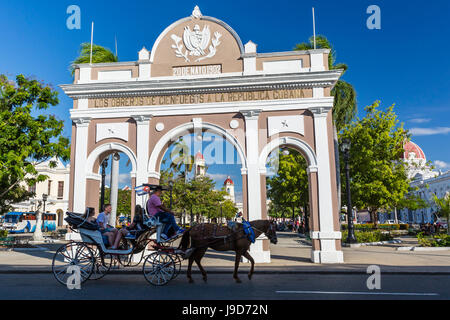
[(90, 213), (133, 229), (105, 229), (155, 208)]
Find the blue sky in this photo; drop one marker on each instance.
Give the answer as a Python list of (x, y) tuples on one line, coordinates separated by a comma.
[(406, 62)]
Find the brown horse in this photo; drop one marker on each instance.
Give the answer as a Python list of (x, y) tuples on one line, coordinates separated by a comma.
[(221, 238)]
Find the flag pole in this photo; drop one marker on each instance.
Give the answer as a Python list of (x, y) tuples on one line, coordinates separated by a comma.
[(314, 27), (115, 39), (92, 39)]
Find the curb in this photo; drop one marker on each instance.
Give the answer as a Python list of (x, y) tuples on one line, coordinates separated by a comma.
[(379, 243), (423, 249), (29, 249), (229, 272)]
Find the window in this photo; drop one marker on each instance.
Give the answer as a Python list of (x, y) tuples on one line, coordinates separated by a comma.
[(32, 189), (49, 187), (60, 190)]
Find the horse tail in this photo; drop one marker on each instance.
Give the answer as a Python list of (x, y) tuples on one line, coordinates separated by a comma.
[(185, 240)]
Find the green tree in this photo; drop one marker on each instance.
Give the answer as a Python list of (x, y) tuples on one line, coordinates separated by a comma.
[(345, 104), (123, 201), (99, 55), (288, 189), (378, 174), (443, 205), (229, 210), (28, 136)]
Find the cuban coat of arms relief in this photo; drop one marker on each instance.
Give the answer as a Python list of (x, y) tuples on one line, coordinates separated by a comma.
[(196, 43)]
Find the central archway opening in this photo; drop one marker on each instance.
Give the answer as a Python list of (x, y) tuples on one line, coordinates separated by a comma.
[(205, 171)]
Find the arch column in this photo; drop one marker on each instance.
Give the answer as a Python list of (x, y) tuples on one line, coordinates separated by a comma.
[(79, 179), (258, 250), (324, 233), (142, 156)]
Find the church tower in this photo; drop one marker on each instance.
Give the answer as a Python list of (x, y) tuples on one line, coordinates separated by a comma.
[(199, 165), (229, 188)]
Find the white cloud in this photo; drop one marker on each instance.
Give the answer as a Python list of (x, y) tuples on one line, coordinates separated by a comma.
[(441, 164), (217, 176), (420, 120), (429, 131), (124, 178)]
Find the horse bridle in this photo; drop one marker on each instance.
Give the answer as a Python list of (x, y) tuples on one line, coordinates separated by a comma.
[(271, 228)]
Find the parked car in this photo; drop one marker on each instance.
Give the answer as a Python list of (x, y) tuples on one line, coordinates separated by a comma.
[(389, 222), (442, 225)]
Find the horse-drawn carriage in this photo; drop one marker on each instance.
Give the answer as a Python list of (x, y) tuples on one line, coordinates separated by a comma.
[(161, 265)]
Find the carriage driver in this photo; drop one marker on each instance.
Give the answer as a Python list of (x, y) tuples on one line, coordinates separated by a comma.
[(155, 208)]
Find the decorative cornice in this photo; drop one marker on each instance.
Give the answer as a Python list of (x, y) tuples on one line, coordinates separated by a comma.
[(223, 84)]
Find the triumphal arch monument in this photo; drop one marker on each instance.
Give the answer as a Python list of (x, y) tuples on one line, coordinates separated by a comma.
[(198, 77)]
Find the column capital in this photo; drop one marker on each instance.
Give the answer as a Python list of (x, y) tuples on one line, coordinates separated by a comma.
[(154, 175), (142, 119), (252, 114), (312, 169), (82, 122), (320, 112)]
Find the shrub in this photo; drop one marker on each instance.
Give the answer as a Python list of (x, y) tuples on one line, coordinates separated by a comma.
[(368, 236), (437, 240), (3, 233)]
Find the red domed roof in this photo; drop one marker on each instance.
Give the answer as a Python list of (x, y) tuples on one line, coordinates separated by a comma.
[(228, 181), (411, 147), (199, 155)]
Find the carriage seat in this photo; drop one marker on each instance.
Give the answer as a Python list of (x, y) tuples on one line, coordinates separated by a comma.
[(153, 222)]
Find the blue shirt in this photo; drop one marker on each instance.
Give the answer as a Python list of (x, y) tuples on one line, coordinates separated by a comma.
[(102, 218)]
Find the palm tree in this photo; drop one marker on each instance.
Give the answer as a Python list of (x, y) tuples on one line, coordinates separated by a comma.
[(99, 55), (345, 106), (181, 156), (443, 205)]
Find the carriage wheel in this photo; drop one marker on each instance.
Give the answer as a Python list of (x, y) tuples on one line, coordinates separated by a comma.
[(101, 268), (177, 260), (73, 254), (159, 268)]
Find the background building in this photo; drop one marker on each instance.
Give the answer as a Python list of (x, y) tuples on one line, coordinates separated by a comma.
[(56, 187), (426, 181)]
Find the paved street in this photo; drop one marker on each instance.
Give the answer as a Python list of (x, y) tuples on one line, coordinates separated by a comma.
[(220, 286)]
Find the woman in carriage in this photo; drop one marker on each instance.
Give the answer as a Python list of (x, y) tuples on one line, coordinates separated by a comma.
[(133, 229)]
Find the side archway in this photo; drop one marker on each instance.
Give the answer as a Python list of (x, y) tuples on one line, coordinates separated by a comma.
[(298, 144)]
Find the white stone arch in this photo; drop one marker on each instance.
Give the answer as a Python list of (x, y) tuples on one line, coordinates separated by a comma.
[(306, 149), (176, 132), (113, 146)]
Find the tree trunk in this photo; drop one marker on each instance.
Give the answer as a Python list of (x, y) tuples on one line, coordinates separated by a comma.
[(373, 217)]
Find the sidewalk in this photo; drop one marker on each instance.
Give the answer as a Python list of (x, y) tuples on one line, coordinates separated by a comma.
[(288, 256)]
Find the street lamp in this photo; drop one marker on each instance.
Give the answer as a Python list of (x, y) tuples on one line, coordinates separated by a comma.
[(102, 196), (44, 199), (171, 189), (345, 147)]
